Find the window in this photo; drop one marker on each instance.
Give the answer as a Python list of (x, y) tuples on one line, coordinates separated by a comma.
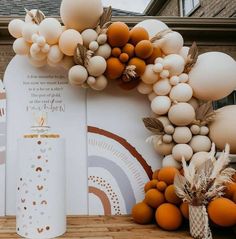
[(188, 6)]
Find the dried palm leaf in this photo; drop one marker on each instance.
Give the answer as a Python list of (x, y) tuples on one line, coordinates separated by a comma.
[(204, 114), (154, 125), (203, 183), (160, 35), (82, 55), (37, 18), (191, 58)]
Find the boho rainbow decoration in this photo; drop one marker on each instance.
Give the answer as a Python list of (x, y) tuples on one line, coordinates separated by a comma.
[(180, 83)]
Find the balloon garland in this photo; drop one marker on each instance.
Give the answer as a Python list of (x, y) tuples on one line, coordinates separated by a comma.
[(180, 84)]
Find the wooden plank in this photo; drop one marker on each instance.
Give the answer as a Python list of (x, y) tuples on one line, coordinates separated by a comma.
[(107, 227)]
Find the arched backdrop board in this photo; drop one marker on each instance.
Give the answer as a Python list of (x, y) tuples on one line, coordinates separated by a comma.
[(106, 166)]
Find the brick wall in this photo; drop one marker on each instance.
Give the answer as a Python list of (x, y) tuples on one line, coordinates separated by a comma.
[(208, 8)]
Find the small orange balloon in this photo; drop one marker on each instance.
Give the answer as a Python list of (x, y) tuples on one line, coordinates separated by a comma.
[(167, 174), (144, 49), (171, 196), (161, 186), (124, 57), (154, 198), (139, 64), (230, 190), (129, 49), (116, 51), (155, 174), (138, 34), (149, 185), (114, 69)]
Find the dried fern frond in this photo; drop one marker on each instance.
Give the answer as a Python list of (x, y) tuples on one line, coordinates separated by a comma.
[(204, 114), (191, 58), (37, 18), (160, 35), (154, 125), (129, 73), (82, 55), (105, 20)]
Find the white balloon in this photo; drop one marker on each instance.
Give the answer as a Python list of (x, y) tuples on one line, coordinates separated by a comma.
[(182, 135), (51, 29), (200, 143), (162, 87), (81, 14), (39, 56), (37, 63), (96, 66), (160, 105), (77, 75), (181, 92), (152, 26), (180, 151), (15, 27), (88, 36), (213, 77), (104, 51), (171, 43), (184, 52), (55, 55), (149, 76), (34, 48), (174, 64), (152, 95), (100, 84), (21, 47), (169, 161)]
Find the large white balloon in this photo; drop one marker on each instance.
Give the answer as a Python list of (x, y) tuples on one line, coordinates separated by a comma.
[(81, 14), (223, 128), (152, 26), (213, 77)]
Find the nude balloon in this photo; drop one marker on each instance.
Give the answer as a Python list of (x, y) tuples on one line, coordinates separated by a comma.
[(81, 14), (213, 77), (223, 128)]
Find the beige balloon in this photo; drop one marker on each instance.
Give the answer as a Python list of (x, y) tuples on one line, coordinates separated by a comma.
[(160, 105), (180, 151), (100, 84), (213, 77), (21, 47), (199, 158), (169, 161), (181, 92), (81, 14), (162, 87), (182, 135), (144, 89), (181, 114), (223, 128), (96, 66), (28, 31), (51, 29), (163, 149), (88, 36), (104, 51), (15, 27), (55, 55), (149, 76), (200, 143), (69, 40)]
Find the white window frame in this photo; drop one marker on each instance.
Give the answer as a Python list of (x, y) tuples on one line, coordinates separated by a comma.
[(182, 8)]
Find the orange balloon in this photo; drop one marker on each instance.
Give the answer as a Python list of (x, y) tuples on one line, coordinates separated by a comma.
[(138, 34), (124, 57), (149, 185), (129, 49), (155, 174), (155, 54), (161, 186), (168, 217), (142, 213), (139, 64), (116, 52), (167, 174), (154, 198), (114, 68), (171, 196), (144, 49), (184, 208), (118, 34)]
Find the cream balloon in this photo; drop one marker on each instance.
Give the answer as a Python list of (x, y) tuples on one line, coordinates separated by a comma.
[(88, 36), (96, 66), (194, 102), (51, 29), (213, 77), (15, 27), (152, 95), (39, 56), (102, 39), (144, 88), (81, 14), (181, 92), (152, 26), (166, 138), (200, 143), (169, 161), (104, 51), (182, 135), (199, 158), (162, 87), (28, 31), (55, 55), (164, 120), (100, 84), (149, 76), (160, 105), (183, 78), (21, 47), (181, 114), (77, 75), (174, 64), (69, 40), (180, 151), (184, 52), (223, 128), (171, 43)]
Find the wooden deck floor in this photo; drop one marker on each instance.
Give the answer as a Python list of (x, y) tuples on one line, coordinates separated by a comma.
[(104, 227)]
